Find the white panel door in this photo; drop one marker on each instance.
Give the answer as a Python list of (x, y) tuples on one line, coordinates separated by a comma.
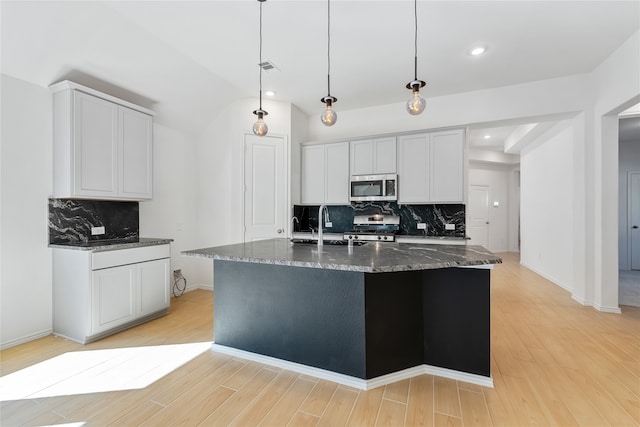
[(113, 296), (95, 147), (265, 203), (153, 286), (478, 226), (135, 147), (634, 219)]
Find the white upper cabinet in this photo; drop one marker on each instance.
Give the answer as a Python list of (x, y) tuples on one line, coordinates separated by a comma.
[(103, 147), (373, 156), (337, 174), (135, 148), (446, 166), (431, 167), (325, 174)]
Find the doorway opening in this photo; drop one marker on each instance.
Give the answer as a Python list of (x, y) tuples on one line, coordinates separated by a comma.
[(629, 207)]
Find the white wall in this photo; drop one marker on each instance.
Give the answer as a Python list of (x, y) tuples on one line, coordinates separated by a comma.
[(496, 178), (26, 183), (220, 168), (629, 156), (536, 99), (172, 212), (546, 210), (615, 86)]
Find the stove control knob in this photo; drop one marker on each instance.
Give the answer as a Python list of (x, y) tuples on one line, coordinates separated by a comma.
[(384, 238), (379, 237)]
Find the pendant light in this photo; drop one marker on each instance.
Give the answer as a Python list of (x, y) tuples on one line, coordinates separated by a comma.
[(329, 116), (260, 128), (416, 104)]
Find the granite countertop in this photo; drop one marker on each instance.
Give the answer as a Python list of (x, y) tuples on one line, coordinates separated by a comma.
[(110, 245), (372, 257)]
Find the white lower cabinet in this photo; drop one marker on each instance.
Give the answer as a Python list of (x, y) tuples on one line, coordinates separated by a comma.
[(113, 296), (96, 294)]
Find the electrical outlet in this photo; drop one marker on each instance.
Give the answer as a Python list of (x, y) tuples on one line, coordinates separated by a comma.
[(328, 224), (422, 226), (449, 226), (95, 231)]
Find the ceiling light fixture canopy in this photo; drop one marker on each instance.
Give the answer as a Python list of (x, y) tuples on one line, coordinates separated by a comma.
[(415, 104), (329, 115), (260, 128)]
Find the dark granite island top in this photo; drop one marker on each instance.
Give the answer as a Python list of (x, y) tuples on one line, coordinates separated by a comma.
[(371, 257), (363, 316)]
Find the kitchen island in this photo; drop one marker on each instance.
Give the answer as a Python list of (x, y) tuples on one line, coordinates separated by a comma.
[(363, 316)]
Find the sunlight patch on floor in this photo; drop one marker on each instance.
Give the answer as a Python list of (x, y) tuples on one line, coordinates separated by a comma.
[(96, 371)]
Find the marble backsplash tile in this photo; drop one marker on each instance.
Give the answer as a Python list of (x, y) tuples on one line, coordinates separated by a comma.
[(434, 216), (71, 220)]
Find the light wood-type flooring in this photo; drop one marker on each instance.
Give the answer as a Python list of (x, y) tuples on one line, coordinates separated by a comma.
[(554, 362)]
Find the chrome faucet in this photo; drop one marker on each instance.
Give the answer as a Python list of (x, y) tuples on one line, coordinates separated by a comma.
[(321, 210)]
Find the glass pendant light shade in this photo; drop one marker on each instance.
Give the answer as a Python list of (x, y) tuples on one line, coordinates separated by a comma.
[(260, 128), (329, 116), (416, 104)]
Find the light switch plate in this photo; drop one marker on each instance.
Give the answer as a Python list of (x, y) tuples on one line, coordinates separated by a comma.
[(422, 226), (97, 230), (449, 226)]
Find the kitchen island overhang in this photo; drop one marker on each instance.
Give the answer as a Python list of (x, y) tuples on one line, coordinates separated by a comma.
[(362, 316)]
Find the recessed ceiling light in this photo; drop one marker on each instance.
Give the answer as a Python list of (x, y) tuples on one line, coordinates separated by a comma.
[(478, 50), (270, 93), (487, 136)]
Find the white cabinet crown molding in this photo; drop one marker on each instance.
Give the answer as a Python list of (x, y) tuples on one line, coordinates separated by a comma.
[(67, 84)]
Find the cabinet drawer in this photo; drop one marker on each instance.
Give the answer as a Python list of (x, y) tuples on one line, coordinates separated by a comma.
[(128, 256)]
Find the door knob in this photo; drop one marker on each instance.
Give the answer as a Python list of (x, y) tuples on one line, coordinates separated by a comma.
[(635, 226), (280, 230), (487, 222)]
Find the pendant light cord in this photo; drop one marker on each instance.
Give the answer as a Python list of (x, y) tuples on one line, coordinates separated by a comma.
[(328, 47), (260, 63), (415, 40)]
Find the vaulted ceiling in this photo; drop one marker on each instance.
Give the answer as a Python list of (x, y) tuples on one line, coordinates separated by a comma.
[(186, 59)]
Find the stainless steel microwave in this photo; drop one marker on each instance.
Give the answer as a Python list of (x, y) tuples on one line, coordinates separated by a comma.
[(371, 188)]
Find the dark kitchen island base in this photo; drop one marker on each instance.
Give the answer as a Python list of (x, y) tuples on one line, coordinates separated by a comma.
[(368, 328)]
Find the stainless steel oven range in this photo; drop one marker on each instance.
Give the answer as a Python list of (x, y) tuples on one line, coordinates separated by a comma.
[(376, 227)]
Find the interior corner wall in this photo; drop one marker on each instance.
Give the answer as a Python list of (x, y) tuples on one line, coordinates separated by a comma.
[(220, 173), (629, 161), (26, 184), (547, 205), (171, 214)]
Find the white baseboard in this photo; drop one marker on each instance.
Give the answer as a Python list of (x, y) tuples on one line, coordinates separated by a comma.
[(27, 338), (549, 278), (582, 301), (353, 381), (615, 310)]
